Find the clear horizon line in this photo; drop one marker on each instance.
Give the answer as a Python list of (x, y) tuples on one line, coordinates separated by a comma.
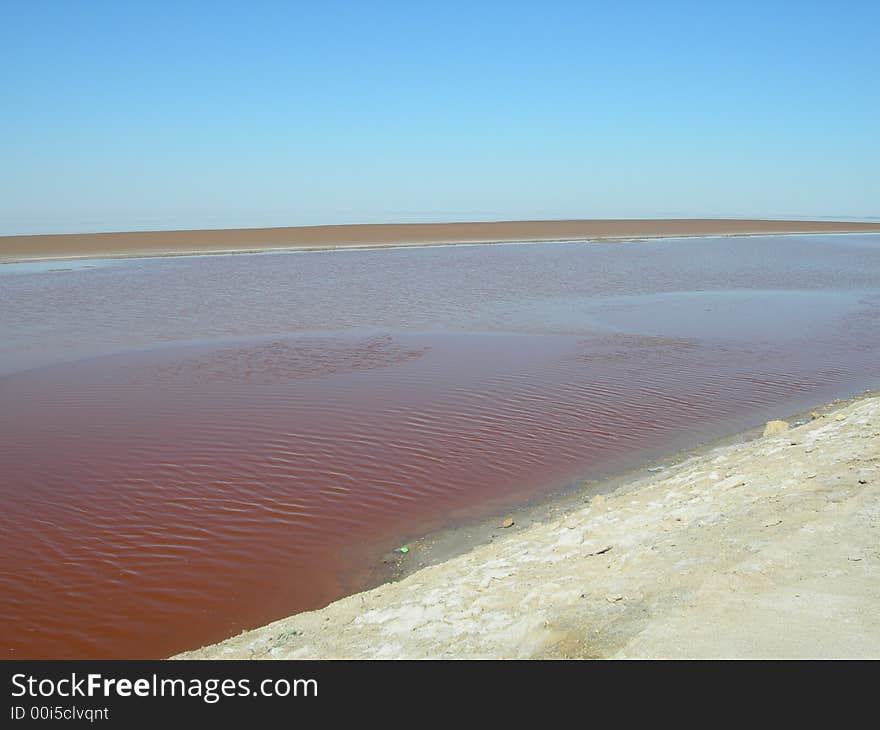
[(472, 221)]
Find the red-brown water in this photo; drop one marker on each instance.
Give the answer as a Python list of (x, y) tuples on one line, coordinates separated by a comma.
[(191, 447)]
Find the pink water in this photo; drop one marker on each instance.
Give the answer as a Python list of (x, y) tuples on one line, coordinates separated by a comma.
[(191, 447)]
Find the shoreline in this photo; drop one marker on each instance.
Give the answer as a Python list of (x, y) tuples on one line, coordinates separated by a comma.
[(463, 534), (148, 244), (648, 610)]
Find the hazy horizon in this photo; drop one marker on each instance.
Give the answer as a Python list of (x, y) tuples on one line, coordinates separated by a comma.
[(194, 224), (153, 116)]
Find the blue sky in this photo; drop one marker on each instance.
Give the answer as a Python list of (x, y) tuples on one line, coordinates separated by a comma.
[(126, 115)]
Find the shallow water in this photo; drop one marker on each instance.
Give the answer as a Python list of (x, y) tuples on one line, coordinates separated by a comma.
[(194, 446)]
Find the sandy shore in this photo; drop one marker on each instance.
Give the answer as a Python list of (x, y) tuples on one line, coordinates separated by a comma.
[(763, 548), (249, 240)]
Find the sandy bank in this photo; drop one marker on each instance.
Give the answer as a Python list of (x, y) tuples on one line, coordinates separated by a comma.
[(244, 240), (769, 548)]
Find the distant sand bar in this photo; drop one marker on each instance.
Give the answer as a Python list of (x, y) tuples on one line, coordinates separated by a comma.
[(247, 240)]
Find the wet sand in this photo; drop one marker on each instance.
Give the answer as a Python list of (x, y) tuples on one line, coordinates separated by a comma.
[(250, 240), (761, 548)]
